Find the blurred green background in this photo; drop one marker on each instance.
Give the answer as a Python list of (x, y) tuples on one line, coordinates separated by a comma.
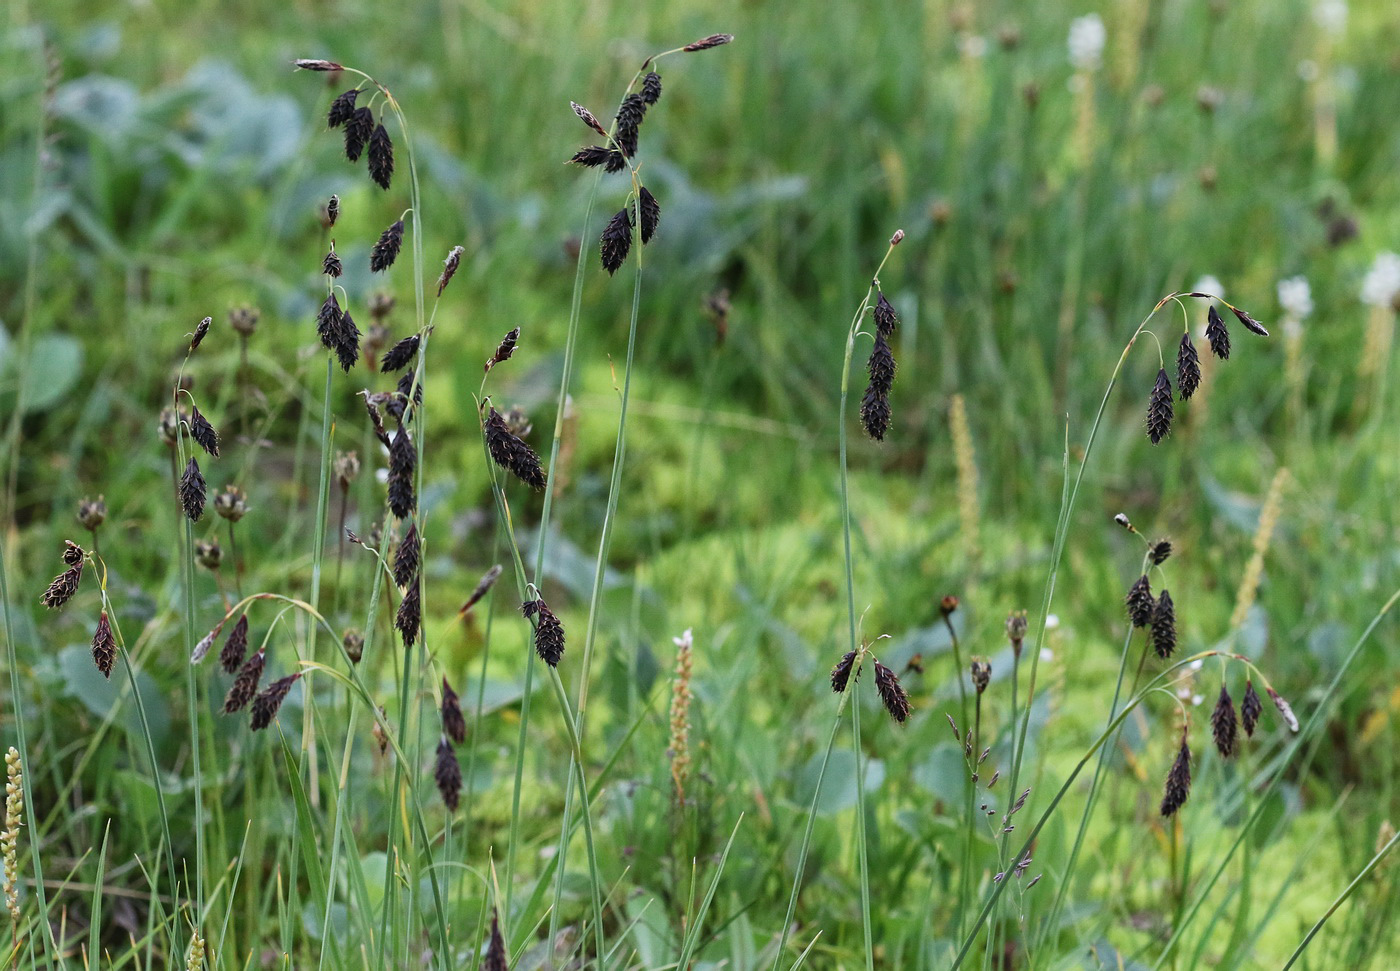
[(160, 162)]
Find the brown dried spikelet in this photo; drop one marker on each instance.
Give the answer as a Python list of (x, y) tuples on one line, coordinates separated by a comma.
[(386, 250), (1164, 626), (200, 332), (449, 267), (63, 586), (549, 632), (512, 454), (1178, 788), (483, 587), (409, 619), (1140, 602), (651, 213), (981, 674), (316, 64), (705, 43), (332, 214), (1159, 408), (841, 674), (1285, 710), (1188, 368), (192, 491), (203, 433), (269, 701), (892, 694), (245, 683), (1218, 334), (92, 513), (354, 643), (588, 118), (454, 724), (381, 737), (235, 649), (104, 646), (358, 129), (616, 241), (381, 157), (504, 349), (406, 557), (73, 554), (1223, 724), (1250, 708), (206, 642), (447, 772)]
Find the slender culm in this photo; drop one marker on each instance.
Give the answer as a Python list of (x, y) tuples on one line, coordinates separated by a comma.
[(203, 433), (386, 250), (269, 701), (549, 633), (399, 356), (1140, 602), (406, 558), (192, 491), (454, 724), (358, 129), (1188, 368), (1159, 408), (483, 587), (1250, 708), (104, 646), (1218, 334), (651, 213), (1250, 324), (512, 454), (342, 108), (616, 241), (381, 157), (447, 772), (409, 619), (1164, 626), (245, 683), (236, 647), (1223, 724), (651, 88), (841, 674), (1178, 787), (892, 694)]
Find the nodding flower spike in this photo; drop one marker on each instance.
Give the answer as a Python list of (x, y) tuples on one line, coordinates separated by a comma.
[(841, 674)]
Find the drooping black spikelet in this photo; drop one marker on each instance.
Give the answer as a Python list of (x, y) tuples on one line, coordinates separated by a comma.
[(511, 454), (616, 240), (1250, 708), (1164, 626), (72, 553), (236, 647), (269, 701), (61, 590), (104, 646), (409, 619), (1250, 324), (399, 356), (629, 122), (1159, 551), (504, 349), (1218, 334), (595, 155), (245, 683), (328, 320), (549, 633), (1188, 368), (201, 331), (891, 692), (403, 457), (841, 674), (332, 210), (454, 725), (875, 405), (192, 491), (616, 162), (651, 88), (875, 414), (651, 213), (483, 587), (447, 772), (406, 558), (403, 388), (496, 949), (1140, 602), (1223, 724), (381, 157), (347, 342), (1178, 781), (1159, 408), (203, 432), (358, 128), (331, 266), (885, 318), (342, 108), (386, 250)]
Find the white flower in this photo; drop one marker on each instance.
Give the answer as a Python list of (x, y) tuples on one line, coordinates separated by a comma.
[(1331, 16), (1382, 281), (1052, 621), (1209, 284), (1197, 664), (1086, 40), (1047, 655), (1295, 297), (972, 45), (685, 640), (1197, 699)]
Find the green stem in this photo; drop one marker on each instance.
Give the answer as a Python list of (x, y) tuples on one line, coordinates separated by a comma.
[(1381, 854)]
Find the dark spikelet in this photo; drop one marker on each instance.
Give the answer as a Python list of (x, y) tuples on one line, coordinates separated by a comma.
[(381, 157), (483, 587), (332, 210), (342, 108), (347, 342), (386, 250), (192, 491), (616, 240), (200, 332), (495, 948), (841, 674), (629, 122), (449, 268), (245, 683), (511, 454), (403, 457), (104, 646), (1178, 787), (269, 701), (549, 633), (504, 349), (61, 590), (409, 619), (1223, 725), (236, 647), (616, 162), (1140, 602), (1159, 551), (406, 558), (651, 213), (203, 432), (891, 692), (1164, 626), (1250, 324), (875, 414), (72, 553), (405, 385), (1159, 408), (447, 772), (593, 155), (454, 725), (875, 405), (400, 355), (651, 88), (330, 266), (316, 64), (358, 128), (1250, 708), (588, 118), (705, 43), (1188, 368), (885, 318), (328, 320), (1218, 334)]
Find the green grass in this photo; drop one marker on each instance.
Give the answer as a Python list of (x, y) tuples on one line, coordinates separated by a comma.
[(161, 162)]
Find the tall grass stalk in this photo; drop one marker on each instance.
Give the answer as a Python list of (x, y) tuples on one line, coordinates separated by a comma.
[(1375, 861)]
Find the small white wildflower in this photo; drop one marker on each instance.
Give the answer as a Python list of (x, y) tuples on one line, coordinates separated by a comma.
[(1382, 281), (1052, 621), (1196, 700), (1331, 16), (1197, 664), (1295, 297), (1184, 693), (685, 640), (1086, 40), (1046, 654)]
